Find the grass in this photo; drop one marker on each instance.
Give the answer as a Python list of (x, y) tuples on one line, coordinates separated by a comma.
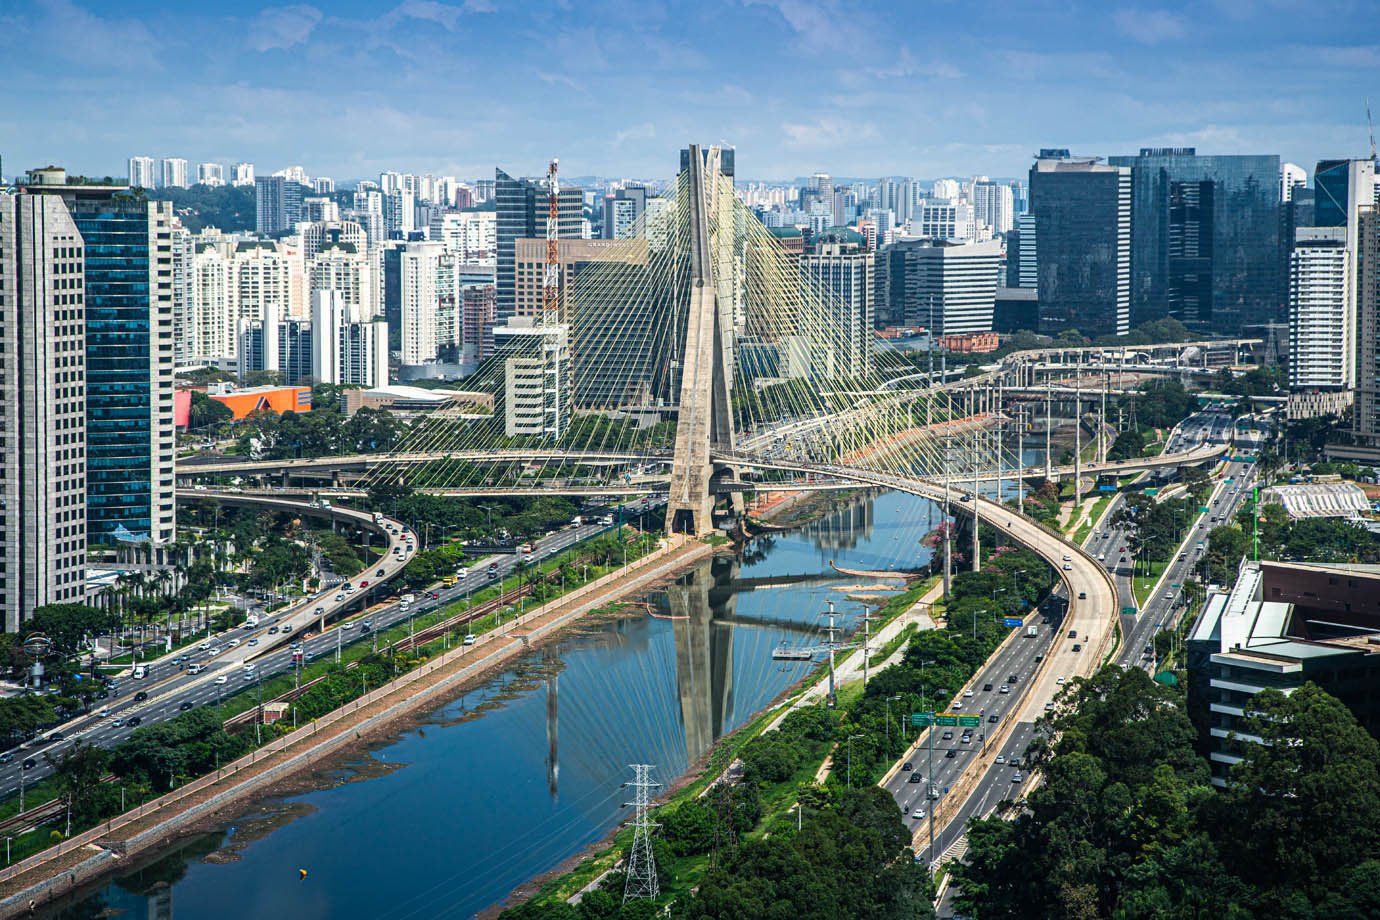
[(1098, 508), (1142, 585)]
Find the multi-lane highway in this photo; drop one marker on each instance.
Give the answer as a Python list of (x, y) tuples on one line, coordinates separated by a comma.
[(171, 688)]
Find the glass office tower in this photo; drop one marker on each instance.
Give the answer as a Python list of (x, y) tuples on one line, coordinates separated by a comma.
[(1205, 239)]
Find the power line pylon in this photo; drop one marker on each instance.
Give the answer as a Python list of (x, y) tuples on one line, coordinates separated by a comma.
[(641, 880)]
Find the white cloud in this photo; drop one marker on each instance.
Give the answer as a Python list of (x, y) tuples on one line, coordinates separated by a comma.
[(1149, 27), (643, 132), (821, 25), (446, 15), (93, 42), (828, 132), (282, 26)]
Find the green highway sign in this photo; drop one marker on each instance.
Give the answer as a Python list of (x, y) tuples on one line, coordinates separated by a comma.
[(1203, 509), (1157, 491), (1128, 611), (970, 721), (945, 718), (921, 719)]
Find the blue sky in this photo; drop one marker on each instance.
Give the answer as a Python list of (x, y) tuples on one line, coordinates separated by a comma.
[(615, 87)]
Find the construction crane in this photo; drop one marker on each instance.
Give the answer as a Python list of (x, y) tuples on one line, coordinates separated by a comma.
[(551, 277)]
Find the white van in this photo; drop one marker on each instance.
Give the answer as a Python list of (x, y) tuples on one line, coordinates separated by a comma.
[(140, 672)]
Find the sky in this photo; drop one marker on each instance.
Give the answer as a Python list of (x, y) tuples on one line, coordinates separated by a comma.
[(614, 88)]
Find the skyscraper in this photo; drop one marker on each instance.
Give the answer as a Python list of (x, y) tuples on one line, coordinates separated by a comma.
[(346, 351), (1205, 246), (1291, 177), (1021, 260), (43, 426), (277, 204), (845, 269), (994, 205), (1366, 413), (141, 174), (242, 174), (174, 173), (1321, 333), (522, 212), (129, 357), (212, 174), (1082, 214), (621, 211)]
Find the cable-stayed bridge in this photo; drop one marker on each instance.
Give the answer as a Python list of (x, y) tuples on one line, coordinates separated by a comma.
[(702, 359)]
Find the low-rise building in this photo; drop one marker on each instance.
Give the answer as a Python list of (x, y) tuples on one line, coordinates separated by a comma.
[(1282, 625)]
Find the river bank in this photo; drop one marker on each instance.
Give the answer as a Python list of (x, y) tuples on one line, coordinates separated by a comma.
[(88, 856)]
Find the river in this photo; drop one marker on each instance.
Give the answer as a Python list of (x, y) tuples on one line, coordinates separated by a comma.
[(510, 780)]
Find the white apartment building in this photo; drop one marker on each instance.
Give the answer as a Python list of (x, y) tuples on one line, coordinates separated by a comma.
[(242, 174), (174, 173), (212, 174), (1321, 326), (141, 172), (470, 235), (1291, 176), (944, 220), (419, 265), (346, 351), (347, 271), (994, 205), (213, 314)]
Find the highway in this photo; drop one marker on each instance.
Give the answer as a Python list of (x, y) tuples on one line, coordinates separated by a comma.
[(172, 690)]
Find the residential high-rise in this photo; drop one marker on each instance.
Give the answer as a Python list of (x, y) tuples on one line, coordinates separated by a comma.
[(1082, 211), (320, 210), (522, 209), (43, 425), (470, 235), (274, 343), (174, 173), (400, 213), (212, 174), (1321, 332), (323, 185), (845, 269), (277, 204), (477, 315), (994, 205), (948, 288), (535, 358), (418, 266), (184, 333), (343, 268), (345, 350), (242, 174), (944, 220), (214, 312), (1205, 245), (129, 357), (141, 173)]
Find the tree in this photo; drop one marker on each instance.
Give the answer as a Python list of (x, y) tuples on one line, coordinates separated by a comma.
[(79, 770), (207, 413)]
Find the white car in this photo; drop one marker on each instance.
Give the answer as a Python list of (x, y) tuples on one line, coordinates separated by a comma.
[(1001, 758), (1060, 681), (221, 679), (1068, 558), (471, 639), (234, 643), (1067, 567), (967, 694), (213, 653)]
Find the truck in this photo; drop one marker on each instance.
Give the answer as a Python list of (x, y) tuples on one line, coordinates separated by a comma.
[(140, 672), (1031, 632), (378, 517), (407, 599)]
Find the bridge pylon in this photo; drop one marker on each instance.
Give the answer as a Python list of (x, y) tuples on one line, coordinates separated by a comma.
[(705, 425)]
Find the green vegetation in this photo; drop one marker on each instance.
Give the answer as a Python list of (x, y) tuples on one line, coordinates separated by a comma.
[(1127, 825), (322, 432), (227, 207), (1308, 539)]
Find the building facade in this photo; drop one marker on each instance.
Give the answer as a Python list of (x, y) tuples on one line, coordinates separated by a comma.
[(43, 426), (1321, 345), (947, 288), (846, 272), (1082, 214), (522, 210)]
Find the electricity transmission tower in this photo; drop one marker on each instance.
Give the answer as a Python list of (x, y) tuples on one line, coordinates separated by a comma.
[(641, 881)]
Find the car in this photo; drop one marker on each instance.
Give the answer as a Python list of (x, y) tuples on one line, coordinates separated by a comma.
[(29, 763), (1017, 778), (221, 679), (1001, 758), (186, 705), (380, 573), (1068, 558), (435, 596), (348, 625), (968, 694), (247, 675), (140, 696), (179, 659), (133, 721), (1049, 707), (367, 624), (348, 589), (994, 718), (471, 639), (1101, 557), (1003, 689), (915, 778), (966, 739), (55, 736), (964, 498), (1039, 658), (951, 754), (234, 643), (1082, 595), (339, 598), (907, 767), (319, 611), (1078, 646), (948, 736), (987, 688), (206, 645), (1067, 567), (1013, 678), (1123, 549), (958, 704), (363, 584), (213, 652), (1059, 681), (1073, 634), (1169, 595), (918, 814), (6, 757), (272, 631)]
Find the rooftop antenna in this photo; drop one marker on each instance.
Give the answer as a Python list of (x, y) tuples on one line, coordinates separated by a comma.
[(1371, 125)]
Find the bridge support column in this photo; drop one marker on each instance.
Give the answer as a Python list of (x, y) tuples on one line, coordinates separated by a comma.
[(706, 421)]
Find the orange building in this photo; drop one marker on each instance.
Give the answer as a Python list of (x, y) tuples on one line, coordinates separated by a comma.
[(263, 399), (971, 343)]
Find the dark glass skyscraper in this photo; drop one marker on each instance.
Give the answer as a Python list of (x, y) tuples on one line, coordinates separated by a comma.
[(1205, 238), (1082, 214)]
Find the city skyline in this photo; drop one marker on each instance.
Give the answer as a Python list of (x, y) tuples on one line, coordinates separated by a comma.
[(610, 88)]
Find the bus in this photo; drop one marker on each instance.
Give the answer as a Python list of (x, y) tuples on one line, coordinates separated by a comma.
[(450, 581), (525, 549)]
